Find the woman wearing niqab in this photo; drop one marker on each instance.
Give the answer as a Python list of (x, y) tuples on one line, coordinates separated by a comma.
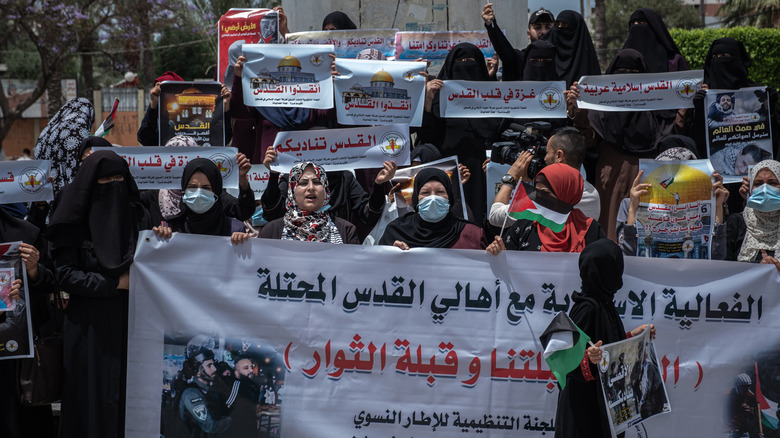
[(648, 35), (575, 55), (93, 232), (466, 138)]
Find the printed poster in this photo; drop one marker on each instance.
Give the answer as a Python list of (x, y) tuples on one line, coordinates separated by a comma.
[(631, 382), (347, 43), (15, 326), (639, 91), (243, 26), (739, 132), (156, 167), (379, 92), (488, 99), (434, 46), (284, 75), (676, 218), (343, 149), (192, 109), (403, 184), (25, 181), (258, 177)]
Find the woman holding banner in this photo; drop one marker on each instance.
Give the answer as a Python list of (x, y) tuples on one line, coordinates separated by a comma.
[(432, 223), (306, 219)]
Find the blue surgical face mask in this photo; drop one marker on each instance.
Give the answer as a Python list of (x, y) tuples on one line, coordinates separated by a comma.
[(433, 208), (764, 198), (199, 200), (257, 218)]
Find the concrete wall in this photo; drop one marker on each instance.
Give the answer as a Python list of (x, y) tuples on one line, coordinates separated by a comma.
[(408, 15)]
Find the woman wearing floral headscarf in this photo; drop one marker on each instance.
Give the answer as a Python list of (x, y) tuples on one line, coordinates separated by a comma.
[(306, 218)]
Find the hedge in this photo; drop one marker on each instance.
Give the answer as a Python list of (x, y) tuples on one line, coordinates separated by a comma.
[(763, 46)]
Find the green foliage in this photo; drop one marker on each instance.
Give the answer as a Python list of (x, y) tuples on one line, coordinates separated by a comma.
[(189, 61), (763, 46)]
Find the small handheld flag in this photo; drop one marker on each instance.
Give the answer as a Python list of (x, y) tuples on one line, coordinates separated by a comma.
[(107, 124), (531, 204), (564, 346)]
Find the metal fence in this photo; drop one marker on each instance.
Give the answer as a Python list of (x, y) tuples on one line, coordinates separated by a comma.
[(128, 98)]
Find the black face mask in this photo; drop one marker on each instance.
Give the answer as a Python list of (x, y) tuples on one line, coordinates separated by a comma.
[(465, 70), (539, 71)]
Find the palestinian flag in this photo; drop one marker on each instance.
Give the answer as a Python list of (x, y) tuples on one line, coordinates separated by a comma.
[(531, 204), (107, 124), (564, 346), (768, 412)]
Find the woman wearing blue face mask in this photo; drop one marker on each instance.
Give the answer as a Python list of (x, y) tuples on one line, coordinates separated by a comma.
[(432, 225), (307, 216), (756, 233), (202, 210)]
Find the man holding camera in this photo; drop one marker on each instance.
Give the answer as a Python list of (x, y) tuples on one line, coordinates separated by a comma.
[(567, 145)]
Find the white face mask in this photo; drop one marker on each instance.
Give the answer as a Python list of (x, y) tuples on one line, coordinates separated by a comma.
[(199, 200), (433, 208)]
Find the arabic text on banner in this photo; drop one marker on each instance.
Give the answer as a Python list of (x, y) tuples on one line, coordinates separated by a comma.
[(631, 382), (343, 336), (192, 109), (349, 42), (15, 323), (434, 46), (25, 181), (379, 92), (739, 132), (405, 177), (258, 177), (163, 167), (285, 75), (243, 26), (639, 91), (676, 218), (521, 99), (343, 149)]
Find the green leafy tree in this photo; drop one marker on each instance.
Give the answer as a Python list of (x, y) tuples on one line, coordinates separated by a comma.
[(757, 13)]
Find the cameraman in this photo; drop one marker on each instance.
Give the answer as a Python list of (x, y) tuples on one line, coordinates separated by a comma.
[(567, 146)]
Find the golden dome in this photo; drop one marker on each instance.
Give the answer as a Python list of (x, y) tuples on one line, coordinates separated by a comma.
[(290, 61), (382, 76), (689, 183)]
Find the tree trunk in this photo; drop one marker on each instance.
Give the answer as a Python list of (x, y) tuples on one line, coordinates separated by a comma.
[(600, 13), (87, 69), (54, 92)]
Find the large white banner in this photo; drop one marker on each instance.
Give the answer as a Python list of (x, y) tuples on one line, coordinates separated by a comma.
[(639, 91), (159, 167), (347, 43), (376, 342), (25, 181), (379, 92), (343, 149), (520, 99), (285, 75)]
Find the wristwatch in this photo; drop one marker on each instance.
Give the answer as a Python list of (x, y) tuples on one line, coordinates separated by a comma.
[(508, 180)]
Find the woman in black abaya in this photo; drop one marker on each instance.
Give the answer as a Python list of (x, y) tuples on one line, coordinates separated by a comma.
[(575, 55), (648, 35), (466, 138), (581, 411), (94, 231)]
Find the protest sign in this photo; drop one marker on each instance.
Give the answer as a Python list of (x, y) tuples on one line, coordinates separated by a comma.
[(676, 218), (243, 26), (162, 167), (342, 336), (487, 99), (434, 46), (631, 382), (347, 43), (25, 181), (343, 149), (639, 91), (739, 130), (15, 326), (284, 75), (258, 177), (192, 109), (379, 92)]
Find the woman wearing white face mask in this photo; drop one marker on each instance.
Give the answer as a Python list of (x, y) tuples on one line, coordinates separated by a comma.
[(432, 225), (756, 233), (306, 217)]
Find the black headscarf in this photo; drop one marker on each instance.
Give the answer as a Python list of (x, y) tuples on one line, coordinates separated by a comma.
[(539, 71), (414, 231), (601, 271), (632, 131), (91, 142), (214, 221), (728, 72), (575, 55), (652, 40), (13, 228), (338, 19), (425, 153), (105, 214)]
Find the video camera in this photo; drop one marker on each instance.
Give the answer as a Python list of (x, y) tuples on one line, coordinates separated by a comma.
[(518, 138)]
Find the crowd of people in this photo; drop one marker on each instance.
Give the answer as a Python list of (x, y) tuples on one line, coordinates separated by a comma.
[(83, 242)]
